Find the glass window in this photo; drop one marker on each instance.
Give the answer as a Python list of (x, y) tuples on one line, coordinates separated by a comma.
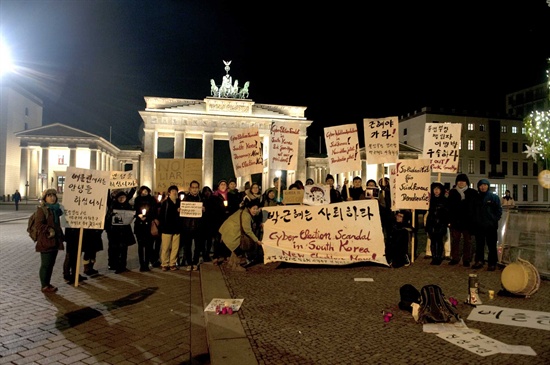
[(470, 145), (525, 191), (482, 145), (514, 130), (515, 147), (535, 169), (525, 168), (545, 195), (523, 130), (515, 168), (471, 167), (504, 128), (515, 191), (504, 146), (470, 126), (482, 167), (535, 193), (405, 131), (505, 167), (482, 127)]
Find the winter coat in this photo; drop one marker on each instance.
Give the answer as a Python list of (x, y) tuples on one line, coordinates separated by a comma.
[(437, 220), (43, 226), (119, 234), (354, 193), (462, 210), (91, 238), (488, 211), (169, 217), (231, 228), (191, 225), (149, 203)]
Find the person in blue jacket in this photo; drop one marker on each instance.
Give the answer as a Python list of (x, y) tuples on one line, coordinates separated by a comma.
[(488, 212)]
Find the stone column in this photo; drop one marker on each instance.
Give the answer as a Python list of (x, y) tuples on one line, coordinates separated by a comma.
[(24, 171), (93, 157), (72, 154), (208, 159), (45, 165), (179, 144), (148, 159), (301, 172), (34, 186)]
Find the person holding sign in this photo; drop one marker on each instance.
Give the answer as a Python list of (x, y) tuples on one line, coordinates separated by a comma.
[(170, 224), (50, 237), (437, 222), (191, 230), (119, 231), (230, 231), (356, 192)]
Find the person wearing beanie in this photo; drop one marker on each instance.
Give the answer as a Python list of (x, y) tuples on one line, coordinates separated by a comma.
[(488, 212), (461, 209), (146, 211), (119, 232), (50, 237), (437, 222)]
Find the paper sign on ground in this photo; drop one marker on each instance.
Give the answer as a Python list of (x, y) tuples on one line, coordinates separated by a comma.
[(235, 304), (511, 317)]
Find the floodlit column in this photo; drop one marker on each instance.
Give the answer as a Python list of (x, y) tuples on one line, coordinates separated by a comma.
[(45, 166), (208, 159), (179, 144), (24, 170), (72, 156), (148, 159), (93, 158), (301, 171)]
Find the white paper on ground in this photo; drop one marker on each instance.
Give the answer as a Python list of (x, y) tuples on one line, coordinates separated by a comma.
[(235, 304), (364, 279)]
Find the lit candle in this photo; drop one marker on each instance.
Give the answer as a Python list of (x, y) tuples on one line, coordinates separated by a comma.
[(143, 211), (225, 203), (181, 196), (159, 197)]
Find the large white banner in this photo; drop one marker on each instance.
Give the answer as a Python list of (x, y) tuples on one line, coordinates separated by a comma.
[(316, 194), (412, 184), (331, 234), (381, 140), (246, 151), (441, 146), (283, 146), (85, 197), (343, 148)]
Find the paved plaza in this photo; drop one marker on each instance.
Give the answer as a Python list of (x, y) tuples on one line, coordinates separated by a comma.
[(291, 314)]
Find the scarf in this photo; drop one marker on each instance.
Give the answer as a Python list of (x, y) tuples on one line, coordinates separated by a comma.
[(57, 212), (461, 192)]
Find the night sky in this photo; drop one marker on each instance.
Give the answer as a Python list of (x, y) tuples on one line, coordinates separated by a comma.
[(93, 62)]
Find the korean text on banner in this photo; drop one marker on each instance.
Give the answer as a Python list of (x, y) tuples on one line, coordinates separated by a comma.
[(381, 140), (85, 197), (332, 234), (122, 180), (284, 141), (441, 146), (412, 184), (343, 148), (245, 146)]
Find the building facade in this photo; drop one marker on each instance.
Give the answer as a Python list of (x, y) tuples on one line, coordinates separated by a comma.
[(491, 147)]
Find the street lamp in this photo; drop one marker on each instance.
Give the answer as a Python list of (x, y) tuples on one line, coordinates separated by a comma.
[(6, 64)]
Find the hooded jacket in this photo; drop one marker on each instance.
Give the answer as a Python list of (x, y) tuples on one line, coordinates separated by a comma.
[(438, 211)]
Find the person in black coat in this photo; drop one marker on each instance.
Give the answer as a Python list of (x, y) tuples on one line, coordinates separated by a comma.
[(119, 233), (398, 240), (437, 222), (146, 211)]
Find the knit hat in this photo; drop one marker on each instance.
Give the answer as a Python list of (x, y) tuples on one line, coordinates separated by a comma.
[(483, 181), (462, 177), (222, 180), (438, 185), (48, 191), (329, 176)]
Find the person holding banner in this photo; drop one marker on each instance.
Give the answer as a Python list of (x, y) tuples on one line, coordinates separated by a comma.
[(355, 192), (146, 211), (170, 224), (50, 237), (231, 232), (119, 232)]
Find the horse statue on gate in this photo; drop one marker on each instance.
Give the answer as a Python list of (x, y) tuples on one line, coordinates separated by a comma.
[(213, 88), (243, 94)]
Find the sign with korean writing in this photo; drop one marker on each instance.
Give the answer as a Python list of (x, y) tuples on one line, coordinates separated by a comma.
[(441, 146), (331, 234), (122, 180), (381, 140), (294, 196), (343, 148), (246, 151), (511, 317), (191, 209), (412, 184), (316, 194), (177, 171), (85, 197), (283, 146)]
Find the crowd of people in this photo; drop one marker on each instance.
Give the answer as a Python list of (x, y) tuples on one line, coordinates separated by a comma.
[(213, 232)]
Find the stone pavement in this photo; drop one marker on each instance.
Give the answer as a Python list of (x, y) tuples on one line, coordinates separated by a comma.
[(291, 314)]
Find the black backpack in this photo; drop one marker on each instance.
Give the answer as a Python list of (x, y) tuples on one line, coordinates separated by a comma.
[(409, 295), (434, 307)]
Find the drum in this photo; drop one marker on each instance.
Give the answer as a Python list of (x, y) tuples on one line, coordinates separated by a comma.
[(521, 277)]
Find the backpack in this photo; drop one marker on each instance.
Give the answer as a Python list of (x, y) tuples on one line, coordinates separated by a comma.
[(434, 307), (409, 295), (31, 224)]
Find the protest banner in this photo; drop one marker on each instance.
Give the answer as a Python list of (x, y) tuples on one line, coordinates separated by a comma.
[(246, 151), (191, 209), (283, 147), (412, 184), (441, 146), (316, 194), (295, 196), (381, 140), (177, 171), (85, 197), (343, 148), (122, 180), (332, 234)]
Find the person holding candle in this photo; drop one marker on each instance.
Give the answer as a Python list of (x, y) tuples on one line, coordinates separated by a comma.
[(146, 212), (220, 251)]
